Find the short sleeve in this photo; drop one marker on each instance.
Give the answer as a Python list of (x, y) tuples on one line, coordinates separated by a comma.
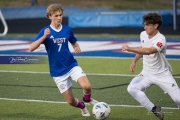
[(159, 43), (39, 35), (72, 38)]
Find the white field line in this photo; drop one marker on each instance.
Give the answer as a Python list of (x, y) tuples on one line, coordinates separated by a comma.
[(100, 57), (56, 102), (13, 71), (32, 72)]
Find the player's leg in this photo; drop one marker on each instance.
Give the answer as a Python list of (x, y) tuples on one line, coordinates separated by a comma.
[(68, 96), (86, 86), (64, 85), (175, 95), (80, 77), (168, 84), (137, 87), (71, 100)]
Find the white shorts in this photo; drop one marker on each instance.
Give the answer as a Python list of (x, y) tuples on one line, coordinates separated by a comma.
[(165, 81), (64, 82)]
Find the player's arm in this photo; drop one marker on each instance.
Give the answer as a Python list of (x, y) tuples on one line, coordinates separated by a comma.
[(37, 43), (133, 63), (76, 47), (140, 50)]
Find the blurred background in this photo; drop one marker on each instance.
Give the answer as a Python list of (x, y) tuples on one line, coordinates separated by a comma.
[(91, 16)]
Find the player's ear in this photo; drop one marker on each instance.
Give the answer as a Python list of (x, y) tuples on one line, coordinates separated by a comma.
[(49, 16), (156, 26)]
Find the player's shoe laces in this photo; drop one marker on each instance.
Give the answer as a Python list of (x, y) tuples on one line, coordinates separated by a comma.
[(157, 111), (85, 112), (91, 101)]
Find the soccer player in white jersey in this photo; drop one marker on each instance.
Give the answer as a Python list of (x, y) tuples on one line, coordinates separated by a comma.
[(63, 66), (156, 69)]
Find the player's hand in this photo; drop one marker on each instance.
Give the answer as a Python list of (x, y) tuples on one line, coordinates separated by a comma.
[(125, 47), (132, 66), (77, 50), (46, 32)]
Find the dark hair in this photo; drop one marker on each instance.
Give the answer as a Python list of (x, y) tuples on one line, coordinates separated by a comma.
[(152, 18)]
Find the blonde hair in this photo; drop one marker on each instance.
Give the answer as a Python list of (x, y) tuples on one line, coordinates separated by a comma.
[(53, 8)]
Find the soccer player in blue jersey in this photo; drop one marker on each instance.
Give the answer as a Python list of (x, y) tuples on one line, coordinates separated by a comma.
[(63, 67)]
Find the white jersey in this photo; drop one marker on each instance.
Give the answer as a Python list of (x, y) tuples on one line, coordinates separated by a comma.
[(155, 63)]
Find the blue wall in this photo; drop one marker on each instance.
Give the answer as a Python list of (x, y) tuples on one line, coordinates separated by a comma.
[(127, 19), (99, 17)]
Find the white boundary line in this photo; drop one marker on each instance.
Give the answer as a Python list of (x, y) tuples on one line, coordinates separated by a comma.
[(32, 72), (99, 57), (100, 74), (30, 100), (56, 102)]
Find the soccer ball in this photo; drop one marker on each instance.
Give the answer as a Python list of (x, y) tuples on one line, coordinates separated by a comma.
[(101, 110)]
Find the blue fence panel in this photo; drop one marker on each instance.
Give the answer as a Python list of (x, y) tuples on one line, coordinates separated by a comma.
[(96, 17), (40, 11), (24, 12), (115, 19)]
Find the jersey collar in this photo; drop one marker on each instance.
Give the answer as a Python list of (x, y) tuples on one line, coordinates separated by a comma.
[(56, 29)]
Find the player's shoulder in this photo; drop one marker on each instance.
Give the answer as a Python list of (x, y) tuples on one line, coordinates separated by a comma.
[(160, 35), (45, 28), (66, 27), (143, 33)]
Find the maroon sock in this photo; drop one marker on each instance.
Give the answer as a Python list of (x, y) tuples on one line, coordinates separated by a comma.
[(87, 97), (80, 104)]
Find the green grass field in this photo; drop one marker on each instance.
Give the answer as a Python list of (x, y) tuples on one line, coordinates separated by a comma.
[(34, 96)]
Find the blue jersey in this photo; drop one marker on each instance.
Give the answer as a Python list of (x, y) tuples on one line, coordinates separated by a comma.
[(61, 60)]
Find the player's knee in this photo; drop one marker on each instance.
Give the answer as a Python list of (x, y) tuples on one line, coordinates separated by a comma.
[(131, 89), (177, 100), (175, 95), (86, 87)]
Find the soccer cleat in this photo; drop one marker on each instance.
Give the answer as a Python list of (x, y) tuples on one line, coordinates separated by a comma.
[(93, 101), (157, 111), (85, 112)]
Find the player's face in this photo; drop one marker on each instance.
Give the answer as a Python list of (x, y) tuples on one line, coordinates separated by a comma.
[(151, 29), (56, 17)]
